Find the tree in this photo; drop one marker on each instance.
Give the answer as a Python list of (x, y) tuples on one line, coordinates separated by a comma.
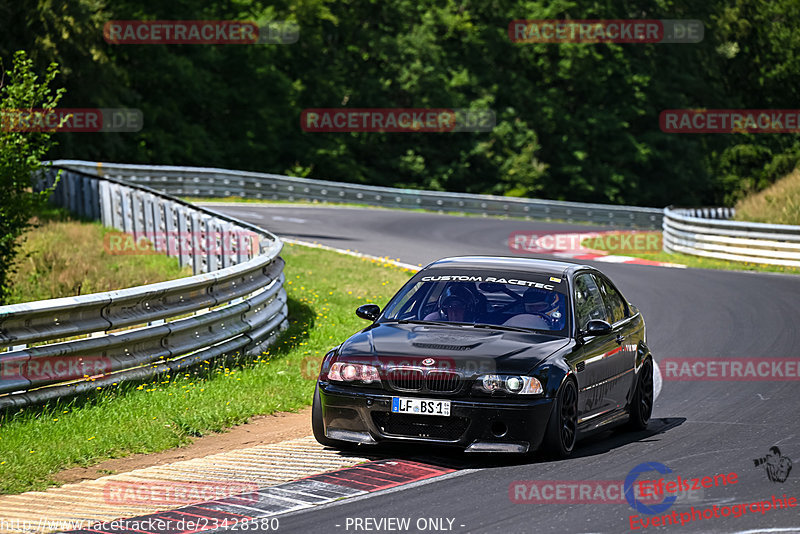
[(21, 153)]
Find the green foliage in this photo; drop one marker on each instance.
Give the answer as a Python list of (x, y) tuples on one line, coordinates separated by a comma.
[(62, 257), (777, 204), (574, 121), (20, 157), (758, 45)]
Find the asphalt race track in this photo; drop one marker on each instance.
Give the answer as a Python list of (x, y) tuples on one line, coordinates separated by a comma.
[(698, 429)]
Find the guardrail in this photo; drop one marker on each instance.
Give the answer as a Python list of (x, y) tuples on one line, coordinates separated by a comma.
[(208, 182), (235, 302), (705, 232)]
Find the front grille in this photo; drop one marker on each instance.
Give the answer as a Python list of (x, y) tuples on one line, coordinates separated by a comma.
[(420, 426), (443, 381), (406, 379)]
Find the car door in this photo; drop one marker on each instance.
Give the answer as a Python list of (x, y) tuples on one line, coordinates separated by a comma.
[(620, 360), (592, 369)]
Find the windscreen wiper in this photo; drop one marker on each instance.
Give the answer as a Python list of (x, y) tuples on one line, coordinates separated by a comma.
[(419, 321), (473, 325), (502, 327)]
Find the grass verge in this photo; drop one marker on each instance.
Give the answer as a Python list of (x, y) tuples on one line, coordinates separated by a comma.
[(64, 257), (324, 288), (777, 204)]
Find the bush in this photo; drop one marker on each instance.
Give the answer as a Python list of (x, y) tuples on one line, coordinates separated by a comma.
[(20, 157)]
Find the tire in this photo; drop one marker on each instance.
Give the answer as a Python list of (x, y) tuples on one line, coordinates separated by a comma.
[(642, 401), (562, 428), (318, 427)]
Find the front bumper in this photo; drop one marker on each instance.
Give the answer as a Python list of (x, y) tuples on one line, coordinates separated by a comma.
[(474, 424)]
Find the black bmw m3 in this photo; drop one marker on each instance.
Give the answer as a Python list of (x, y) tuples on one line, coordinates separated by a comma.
[(489, 354)]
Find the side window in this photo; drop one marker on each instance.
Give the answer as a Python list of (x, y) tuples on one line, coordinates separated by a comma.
[(615, 303), (407, 303), (588, 301)]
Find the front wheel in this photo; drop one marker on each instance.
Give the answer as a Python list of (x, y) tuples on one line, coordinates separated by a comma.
[(561, 434), (642, 401), (318, 427)]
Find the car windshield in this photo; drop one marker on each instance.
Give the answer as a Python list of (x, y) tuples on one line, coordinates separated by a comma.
[(514, 302)]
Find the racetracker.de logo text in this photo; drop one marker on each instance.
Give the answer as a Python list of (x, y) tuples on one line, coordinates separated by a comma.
[(71, 120), (605, 31), (176, 493), (588, 492), (616, 242), (183, 243), (730, 369), (199, 32), (728, 121), (396, 120), (58, 368)]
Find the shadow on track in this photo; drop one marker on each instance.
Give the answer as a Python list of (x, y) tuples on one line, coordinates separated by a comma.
[(442, 456)]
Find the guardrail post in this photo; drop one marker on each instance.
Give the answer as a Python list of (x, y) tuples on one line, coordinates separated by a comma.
[(168, 216), (197, 243), (137, 216), (150, 229), (182, 238), (126, 197), (106, 203), (116, 207)]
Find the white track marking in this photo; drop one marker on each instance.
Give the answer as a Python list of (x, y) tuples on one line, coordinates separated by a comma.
[(250, 215), (288, 219), (357, 254)]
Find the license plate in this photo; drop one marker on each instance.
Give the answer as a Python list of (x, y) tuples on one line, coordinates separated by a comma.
[(420, 406)]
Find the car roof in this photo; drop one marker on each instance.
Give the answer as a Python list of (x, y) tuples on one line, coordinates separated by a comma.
[(509, 263)]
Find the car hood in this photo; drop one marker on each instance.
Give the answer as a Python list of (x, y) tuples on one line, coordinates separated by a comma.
[(470, 351)]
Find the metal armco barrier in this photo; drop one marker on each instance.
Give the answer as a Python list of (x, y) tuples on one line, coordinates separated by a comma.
[(698, 231), (206, 182), (235, 302), (705, 232)]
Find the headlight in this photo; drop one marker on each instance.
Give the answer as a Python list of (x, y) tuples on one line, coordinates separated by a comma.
[(514, 384), (518, 385), (353, 372)]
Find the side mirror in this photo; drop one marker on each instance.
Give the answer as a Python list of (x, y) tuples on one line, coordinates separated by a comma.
[(597, 327), (369, 312)]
